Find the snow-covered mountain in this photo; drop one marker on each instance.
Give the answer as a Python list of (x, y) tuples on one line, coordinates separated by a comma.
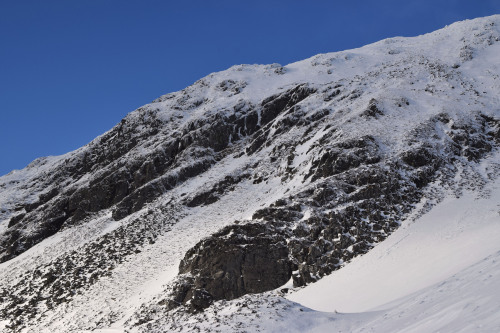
[(361, 183)]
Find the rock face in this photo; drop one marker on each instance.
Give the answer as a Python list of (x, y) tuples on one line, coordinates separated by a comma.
[(236, 261), (242, 188)]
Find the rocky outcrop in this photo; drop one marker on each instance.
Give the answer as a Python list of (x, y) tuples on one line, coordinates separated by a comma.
[(238, 260), (126, 185), (375, 193)]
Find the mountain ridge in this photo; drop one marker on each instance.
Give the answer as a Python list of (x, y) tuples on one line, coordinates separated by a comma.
[(316, 161)]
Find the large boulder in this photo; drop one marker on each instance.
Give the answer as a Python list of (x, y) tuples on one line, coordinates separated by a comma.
[(238, 260)]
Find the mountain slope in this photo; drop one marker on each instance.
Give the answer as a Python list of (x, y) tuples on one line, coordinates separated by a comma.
[(248, 179), (439, 272)]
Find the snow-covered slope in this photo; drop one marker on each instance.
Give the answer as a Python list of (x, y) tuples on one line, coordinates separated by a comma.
[(454, 235), (202, 209), (436, 273)]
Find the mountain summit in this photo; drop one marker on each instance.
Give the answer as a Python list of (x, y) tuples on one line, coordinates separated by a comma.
[(203, 209)]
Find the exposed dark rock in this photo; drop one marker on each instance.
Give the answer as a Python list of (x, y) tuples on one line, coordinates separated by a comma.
[(274, 105), (231, 85), (278, 214), (344, 156), (15, 219), (332, 92), (373, 110), (239, 259), (318, 115), (128, 188), (418, 157), (213, 195)]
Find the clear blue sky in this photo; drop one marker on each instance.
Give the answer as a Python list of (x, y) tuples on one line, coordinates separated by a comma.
[(70, 70)]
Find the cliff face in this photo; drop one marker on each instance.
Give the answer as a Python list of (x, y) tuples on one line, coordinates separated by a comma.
[(248, 178)]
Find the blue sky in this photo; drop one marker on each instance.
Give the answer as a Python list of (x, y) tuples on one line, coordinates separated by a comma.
[(70, 70)]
